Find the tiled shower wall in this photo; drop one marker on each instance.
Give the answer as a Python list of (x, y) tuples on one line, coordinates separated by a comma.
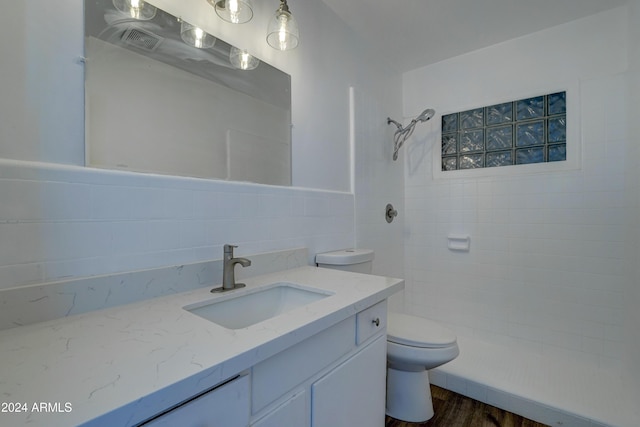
[(59, 221), (546, 270)]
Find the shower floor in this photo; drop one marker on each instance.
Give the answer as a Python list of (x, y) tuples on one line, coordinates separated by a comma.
[(548, 390)]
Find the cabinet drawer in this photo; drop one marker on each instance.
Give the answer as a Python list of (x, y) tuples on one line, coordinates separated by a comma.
[(371, 321), (291, 413), (224, 406)]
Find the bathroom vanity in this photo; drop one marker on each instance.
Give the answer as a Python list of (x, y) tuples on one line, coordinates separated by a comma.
[(326, 380), (318, 363)]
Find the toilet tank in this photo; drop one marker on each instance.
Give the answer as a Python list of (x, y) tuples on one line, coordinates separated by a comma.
[(356, 260)]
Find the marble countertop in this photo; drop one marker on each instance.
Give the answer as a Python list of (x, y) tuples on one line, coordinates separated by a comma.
[(124, 364)]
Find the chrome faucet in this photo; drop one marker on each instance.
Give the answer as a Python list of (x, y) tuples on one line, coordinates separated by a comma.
[(228, 267)]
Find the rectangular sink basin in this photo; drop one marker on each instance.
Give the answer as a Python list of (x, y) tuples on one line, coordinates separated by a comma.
[(249, 308)]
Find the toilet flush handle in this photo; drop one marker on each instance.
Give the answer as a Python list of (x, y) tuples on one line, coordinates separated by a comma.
[(376, 321)]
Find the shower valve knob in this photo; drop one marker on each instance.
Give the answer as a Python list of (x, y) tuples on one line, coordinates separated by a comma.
[(390, 213)]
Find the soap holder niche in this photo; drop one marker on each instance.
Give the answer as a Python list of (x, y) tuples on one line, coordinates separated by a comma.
[(459, 242)]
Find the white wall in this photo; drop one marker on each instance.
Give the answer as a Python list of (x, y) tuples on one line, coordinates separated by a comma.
[(546, 268), (632, 297), (378, 180), (42, 103), (66, 221)]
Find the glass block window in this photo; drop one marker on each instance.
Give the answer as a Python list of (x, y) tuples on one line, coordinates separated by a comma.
[(531, 130)]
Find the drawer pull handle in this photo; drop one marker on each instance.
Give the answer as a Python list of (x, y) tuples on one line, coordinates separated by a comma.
[(376, 321)]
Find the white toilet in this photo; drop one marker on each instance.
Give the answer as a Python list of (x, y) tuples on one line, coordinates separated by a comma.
[(414, 345)]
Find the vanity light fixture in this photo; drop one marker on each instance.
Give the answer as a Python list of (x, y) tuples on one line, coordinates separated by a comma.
[(196, 36), (136, 9), (234, 11), (241, 59), (282, 32)]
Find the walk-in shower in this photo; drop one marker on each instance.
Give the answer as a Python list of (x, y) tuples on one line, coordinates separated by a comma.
[(403, 133)]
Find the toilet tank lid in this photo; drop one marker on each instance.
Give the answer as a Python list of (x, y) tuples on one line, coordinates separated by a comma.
[(345, 257), (418, 332)]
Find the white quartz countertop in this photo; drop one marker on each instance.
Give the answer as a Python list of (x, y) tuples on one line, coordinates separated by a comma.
[(122, 365)]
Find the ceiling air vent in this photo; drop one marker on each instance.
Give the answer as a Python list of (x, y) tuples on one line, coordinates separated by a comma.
[(142, 39)]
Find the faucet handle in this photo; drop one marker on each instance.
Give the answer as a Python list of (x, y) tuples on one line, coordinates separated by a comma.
[(228, 249)]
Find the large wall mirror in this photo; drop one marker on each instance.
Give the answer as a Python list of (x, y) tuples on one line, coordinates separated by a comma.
[(156, 104)]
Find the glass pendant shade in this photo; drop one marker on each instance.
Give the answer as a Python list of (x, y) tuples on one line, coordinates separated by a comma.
[(136, 9), (196, 36), (234, 11), (241, 60), (282, 33)]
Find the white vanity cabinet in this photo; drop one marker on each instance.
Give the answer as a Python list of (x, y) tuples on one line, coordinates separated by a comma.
[(335, 378), (225, 406)]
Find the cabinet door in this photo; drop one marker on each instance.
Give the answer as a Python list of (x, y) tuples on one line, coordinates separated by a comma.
[(353, 394), (225, 406), (291, 413)]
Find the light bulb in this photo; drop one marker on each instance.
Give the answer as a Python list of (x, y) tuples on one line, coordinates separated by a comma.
[(242, 60), (196, 36), (282, 32), (198, 39), (136, 9), (234, 11)]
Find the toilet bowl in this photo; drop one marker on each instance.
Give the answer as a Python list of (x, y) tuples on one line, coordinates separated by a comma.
[(414, 345)]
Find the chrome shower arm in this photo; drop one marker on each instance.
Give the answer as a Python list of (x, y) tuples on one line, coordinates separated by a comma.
[(390, 120)]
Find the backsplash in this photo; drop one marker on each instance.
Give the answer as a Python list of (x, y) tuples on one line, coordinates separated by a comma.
[(63, 222), (38, 303)]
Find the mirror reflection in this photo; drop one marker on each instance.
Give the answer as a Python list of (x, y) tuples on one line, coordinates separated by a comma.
[(163, 96)]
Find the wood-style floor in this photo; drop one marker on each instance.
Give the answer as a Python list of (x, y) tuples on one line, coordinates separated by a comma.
[(454, 410)]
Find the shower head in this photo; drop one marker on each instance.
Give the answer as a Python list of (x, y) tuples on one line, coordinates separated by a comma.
[(403, 133), (426, 115)]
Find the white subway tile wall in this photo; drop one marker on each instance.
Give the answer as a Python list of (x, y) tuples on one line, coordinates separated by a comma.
[(546, 270), (547, 273), (72, 222)]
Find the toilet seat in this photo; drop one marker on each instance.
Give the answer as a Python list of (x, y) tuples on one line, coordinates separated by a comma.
[(414, 346), (418, 332)]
